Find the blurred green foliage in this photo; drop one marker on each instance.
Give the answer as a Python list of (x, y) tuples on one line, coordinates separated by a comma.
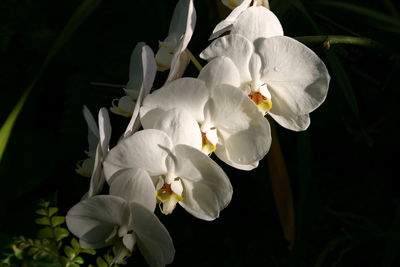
[(341, 169)]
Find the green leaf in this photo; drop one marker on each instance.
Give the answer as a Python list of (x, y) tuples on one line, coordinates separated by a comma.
[(79, 260), (43, 221), (57, 220), (44, 204), (343, 81), (70, 252), (32, 250), (100, 262), (52, 211), (42, 212), (60, 233), (75, 244), (46, 232), (73, 265), (82, 12), (391, 23), (89, 251), (108, 258)]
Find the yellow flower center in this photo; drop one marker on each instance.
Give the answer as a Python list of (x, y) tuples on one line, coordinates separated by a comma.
[(207, 146), (167, 198), (264, 104)]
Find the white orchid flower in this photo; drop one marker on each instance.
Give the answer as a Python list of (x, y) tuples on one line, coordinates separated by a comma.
[(171, 54), (103, 220), (270, 24), (229, 124), (282, 76), (99, 138), (142, 71), (147, 167)]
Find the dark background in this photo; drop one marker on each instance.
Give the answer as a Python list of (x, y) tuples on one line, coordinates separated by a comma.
[(343, 169)]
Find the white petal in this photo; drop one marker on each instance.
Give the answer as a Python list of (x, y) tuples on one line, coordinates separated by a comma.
[(93, 130), (134, 185), (153, 239), (141, 150), (129, 241), (142, 68), (206, 188), (180, 127), (226, 24), (179, 62), (97, 179), (244, 167), (148, 73), (183, 20), (125, 106), (104, 130), (237, 48), (244, 132), (95, 219), (256, 22), (296, 77), (220, 70), (188, 94)]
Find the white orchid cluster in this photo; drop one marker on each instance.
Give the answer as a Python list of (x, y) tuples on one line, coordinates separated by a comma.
[(252, 72)]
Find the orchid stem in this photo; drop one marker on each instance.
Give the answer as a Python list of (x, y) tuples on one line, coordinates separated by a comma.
[(281, 188), (328, 40), (194, 60)]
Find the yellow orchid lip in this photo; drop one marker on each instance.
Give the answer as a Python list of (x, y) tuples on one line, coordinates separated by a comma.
[(264, 104), (165, 192), (207, 146)]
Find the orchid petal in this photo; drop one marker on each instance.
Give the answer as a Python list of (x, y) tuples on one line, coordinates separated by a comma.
[(93, 130), (234, 46), (296, 77), (146, 74), (179, 62), (104, 130), (134, 185), (226, 24), (97, 179), (222, 155), (153, 239), (188, 94), (180, 126), (124, 107), (245, 133), (207, 189), (94, 220), (256, 22), (141, 150), (220, 70)]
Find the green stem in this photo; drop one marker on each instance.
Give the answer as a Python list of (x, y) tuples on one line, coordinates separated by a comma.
[(194, 60), (328, 40)]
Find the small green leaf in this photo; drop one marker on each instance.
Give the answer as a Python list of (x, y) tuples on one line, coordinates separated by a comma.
[(44, 204), (52, 211), (70, 252), (89, 251), (57, 220), (41, 212), (75, 244), (101, 263), (46, 232), (43, 221), (79, 260), (108, 258), (60, 233), (32, 250)]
